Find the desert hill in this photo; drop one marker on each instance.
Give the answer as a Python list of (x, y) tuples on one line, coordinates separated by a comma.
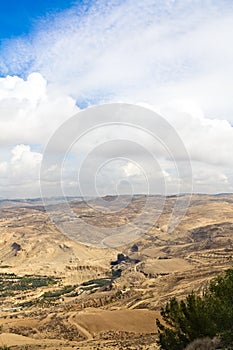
[(58, 293)]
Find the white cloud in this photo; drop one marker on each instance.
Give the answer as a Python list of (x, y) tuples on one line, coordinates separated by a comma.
[(207, 140), (30, 110), (19, 176), (133, 51), (131, 169), (34, 89), (175, 56), (208, 177)]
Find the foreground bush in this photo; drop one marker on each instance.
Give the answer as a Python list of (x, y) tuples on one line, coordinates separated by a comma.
[(210, 315)]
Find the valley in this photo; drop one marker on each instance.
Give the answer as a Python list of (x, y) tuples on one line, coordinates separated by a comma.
[(58, 293)]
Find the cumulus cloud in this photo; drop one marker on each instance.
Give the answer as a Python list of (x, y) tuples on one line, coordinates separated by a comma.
[(30, 110), (207, 140), (19, 175)]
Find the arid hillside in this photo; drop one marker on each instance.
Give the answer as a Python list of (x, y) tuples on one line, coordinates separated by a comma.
[(58, 293)]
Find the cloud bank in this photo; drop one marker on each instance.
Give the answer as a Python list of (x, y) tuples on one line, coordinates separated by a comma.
[(173, 56)]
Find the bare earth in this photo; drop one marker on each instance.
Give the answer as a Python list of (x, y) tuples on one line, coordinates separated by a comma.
[(76, 296)]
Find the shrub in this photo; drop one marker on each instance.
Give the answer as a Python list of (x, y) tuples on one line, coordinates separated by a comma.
[(196, 317)]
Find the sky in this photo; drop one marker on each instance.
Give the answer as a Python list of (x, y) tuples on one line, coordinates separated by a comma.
[(17, 18), (173, 57)]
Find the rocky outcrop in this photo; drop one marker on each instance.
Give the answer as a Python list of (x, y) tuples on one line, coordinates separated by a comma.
[(16, 248), (121, 258)]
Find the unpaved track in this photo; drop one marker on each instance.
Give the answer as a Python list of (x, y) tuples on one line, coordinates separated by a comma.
[(81, 329)]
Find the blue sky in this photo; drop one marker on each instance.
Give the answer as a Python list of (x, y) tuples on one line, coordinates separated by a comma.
[(19, 17), (173, 56)]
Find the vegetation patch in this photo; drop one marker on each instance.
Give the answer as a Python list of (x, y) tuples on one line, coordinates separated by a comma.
[(96, 284), (198, 317), (58, 293), (10, 283)]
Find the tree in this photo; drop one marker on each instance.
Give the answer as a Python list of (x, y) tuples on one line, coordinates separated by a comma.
[(221, 293), (196, 317), (187, 320)]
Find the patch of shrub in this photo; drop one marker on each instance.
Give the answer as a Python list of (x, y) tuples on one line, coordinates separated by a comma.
[(210, 315)]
